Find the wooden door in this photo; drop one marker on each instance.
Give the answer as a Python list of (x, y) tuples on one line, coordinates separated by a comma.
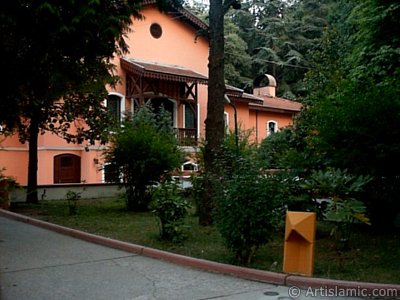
[(67, 168)]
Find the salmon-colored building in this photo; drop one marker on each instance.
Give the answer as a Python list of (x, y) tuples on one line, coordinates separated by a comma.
[(168, 65)]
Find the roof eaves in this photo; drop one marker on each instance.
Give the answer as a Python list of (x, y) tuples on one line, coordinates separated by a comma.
[(187, 15), (164, 72), (260, 107)]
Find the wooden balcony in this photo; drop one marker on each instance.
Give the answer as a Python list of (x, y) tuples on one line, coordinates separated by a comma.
[(186, 136)]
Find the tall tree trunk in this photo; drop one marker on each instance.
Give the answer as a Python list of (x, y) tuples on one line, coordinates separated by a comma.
[(31, 194), (215, 108)]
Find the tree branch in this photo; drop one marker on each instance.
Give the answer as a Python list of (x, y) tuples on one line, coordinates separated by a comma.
[(235, 4)]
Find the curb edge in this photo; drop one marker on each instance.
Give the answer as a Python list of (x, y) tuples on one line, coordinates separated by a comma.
[(206, 265)]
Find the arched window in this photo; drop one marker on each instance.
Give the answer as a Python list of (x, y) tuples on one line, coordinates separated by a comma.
[(67, 168), (190, 166), (272, 127), (114, 106)]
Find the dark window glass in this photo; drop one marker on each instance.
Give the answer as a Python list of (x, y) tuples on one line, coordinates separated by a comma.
[(156, 30), (189, 117), (111, 173), (114, 106), (189, 167), (271, 127)]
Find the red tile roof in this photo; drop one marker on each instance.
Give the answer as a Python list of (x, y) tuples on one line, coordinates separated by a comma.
[(252, 98), (276, 103), (162, 71)]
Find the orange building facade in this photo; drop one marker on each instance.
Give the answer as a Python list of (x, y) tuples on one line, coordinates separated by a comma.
[(167, 65)]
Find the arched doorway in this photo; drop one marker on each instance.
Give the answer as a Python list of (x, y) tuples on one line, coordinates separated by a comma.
[(67, 168)]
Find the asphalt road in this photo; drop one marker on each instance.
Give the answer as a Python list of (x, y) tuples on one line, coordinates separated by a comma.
[(39, 264)]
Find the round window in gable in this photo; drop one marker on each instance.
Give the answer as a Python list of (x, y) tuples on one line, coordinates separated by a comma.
[(156, 30)]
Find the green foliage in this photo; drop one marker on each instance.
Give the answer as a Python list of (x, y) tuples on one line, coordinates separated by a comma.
[(59, 50), (249, 204), (290, 150), (275, 149), (373, 257), (237, 60), (341, 189), (279, 37), (334, 183), (244, 146), (144, 149), (351, 118), (72, 200), (7, 184), (197, 190), (171, 209), (376, 52)]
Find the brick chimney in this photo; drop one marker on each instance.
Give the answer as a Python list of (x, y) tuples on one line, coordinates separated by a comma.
[(264, 86)]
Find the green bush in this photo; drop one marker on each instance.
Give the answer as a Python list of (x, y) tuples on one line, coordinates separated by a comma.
[(7, 184), (72, 200), (144, 149), (342, 189), (171, 209), (249, 204)]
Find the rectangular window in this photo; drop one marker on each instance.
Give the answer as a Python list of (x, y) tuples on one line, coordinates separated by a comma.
[(226, 121), (111, 173), (114, 106), (189, 117)]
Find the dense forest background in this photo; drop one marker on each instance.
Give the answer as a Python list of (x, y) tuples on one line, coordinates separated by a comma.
[(341, 59)]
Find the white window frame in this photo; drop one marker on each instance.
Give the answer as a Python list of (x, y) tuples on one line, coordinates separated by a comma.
[(122, 106), (275, 125), (226, 121), (198, 120), (184, 116), (195, 166), (103, 173)]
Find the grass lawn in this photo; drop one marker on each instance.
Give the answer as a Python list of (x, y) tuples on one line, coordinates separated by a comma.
[(373, 257)]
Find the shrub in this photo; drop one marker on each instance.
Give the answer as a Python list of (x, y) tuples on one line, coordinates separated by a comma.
[(72, 200), (248, 206), (341, 189), (143, 149), (170, 208), (7, 184)]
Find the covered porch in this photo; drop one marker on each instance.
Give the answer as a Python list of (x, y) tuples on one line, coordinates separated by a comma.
[(170, 86)]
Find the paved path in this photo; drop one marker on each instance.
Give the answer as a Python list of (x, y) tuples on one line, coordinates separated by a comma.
[(36, 263)]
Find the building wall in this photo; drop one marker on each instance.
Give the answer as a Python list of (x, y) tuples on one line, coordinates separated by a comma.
[(258, 121), (14, 158), (178, 46)]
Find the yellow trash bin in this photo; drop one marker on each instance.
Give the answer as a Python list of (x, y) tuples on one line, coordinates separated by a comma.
[(300, 231)]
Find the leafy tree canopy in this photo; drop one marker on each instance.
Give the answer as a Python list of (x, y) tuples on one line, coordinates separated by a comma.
[(58, 57), (352, 119)]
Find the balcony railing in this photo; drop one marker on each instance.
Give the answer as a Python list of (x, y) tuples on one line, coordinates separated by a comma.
[(186, 136)]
